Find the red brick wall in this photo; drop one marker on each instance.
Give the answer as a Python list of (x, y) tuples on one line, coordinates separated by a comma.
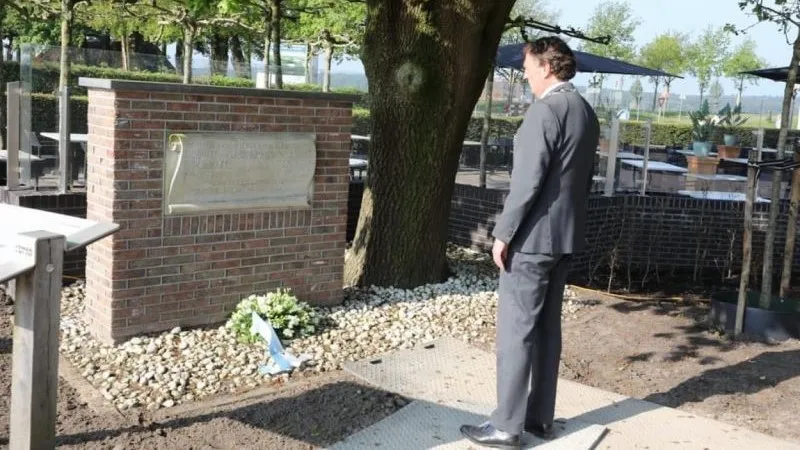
[(157, 271)]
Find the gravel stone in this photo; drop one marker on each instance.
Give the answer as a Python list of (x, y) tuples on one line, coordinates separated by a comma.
[(181, 366)]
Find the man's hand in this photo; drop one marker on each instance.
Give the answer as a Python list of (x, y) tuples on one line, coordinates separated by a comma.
[(499, 252)]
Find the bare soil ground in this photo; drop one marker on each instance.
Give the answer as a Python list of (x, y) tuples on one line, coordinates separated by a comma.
[(665, 353), (661, 352)]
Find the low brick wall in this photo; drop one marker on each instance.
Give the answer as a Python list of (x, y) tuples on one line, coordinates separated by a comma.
[(651, 232), (70, 204)]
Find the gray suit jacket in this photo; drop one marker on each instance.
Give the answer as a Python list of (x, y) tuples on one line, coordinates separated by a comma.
[(554, 148)]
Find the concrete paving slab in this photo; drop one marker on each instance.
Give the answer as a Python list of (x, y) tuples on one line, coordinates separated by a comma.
[(450, 372), (425, 425)]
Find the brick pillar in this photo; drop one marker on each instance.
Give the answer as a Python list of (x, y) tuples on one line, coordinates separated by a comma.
[(160, 271)]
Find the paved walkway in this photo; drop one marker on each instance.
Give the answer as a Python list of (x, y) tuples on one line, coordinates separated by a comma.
[(453, 383)]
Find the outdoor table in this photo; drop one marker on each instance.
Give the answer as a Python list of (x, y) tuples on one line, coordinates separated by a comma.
[(719, 195), (80, 138), (652, 166), (357, 165), (623, 155), (37, 165), (691, 153), (716, 177)]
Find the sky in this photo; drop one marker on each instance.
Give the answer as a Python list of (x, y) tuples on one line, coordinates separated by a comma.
[(689, 16)]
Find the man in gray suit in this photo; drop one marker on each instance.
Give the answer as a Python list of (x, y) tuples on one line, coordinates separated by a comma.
[(543, 222)]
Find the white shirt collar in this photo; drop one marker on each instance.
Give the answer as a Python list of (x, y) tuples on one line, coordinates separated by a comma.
[(552, 88)]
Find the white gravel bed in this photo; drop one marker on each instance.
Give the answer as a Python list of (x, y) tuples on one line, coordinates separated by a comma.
[(184, 365)]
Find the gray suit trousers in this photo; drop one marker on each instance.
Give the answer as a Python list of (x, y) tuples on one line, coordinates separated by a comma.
[(528, 339)]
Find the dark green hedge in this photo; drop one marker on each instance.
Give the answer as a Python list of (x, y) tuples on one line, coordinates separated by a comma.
[(497, 127), (44, 113), (45, 79), (632, 132), (45, 117), (681, 135)]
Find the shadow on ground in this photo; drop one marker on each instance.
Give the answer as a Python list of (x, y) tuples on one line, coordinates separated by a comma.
[(690, 339), (5, 346), (764, 371), (319, 417)]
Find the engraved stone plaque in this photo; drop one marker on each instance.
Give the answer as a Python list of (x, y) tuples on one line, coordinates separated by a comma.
[(206, 172)]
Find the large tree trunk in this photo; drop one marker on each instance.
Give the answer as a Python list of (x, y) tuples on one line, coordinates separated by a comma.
[(769, 243), (275, 26), (66, 37), (309, 57), (739, 89), (423, 89), (178, 56), (655, 92), (239, 61), (326, 80), (219, 55), (487, 119), (125, 45), (510, 91), (188, 50), (791, 233)]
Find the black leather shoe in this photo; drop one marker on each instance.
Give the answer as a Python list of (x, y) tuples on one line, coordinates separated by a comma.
[(489, 436), (540, 430)]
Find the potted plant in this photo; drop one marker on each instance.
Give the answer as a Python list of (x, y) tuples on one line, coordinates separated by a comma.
[(703, 127), (730, 119)]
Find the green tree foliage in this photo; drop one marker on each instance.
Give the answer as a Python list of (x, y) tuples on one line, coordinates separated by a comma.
[(612, 18), (706, 55), (743, 58), (335, 29), (667, 53)]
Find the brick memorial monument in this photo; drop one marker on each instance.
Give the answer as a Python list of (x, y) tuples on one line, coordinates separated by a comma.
[(219, 193)]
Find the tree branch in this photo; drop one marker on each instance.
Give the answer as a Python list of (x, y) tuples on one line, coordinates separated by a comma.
[(230, 21), (784, 16), (522, 23)]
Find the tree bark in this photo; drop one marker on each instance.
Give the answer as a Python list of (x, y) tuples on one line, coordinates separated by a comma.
[(769, 240), (510, 96), (655, 93), (326, 80), (422, 93), (178, 56), (739, 89), (487, 118), (66, 37), (309, 56), (791, 233), (125, 46), (188, 45), (275, 26), (219, 55), (240, 67), (267, 46)]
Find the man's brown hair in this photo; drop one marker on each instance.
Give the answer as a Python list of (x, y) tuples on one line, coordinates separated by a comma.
[(555, 52)]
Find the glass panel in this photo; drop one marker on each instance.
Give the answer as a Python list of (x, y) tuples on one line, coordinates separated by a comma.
[(26, 177)]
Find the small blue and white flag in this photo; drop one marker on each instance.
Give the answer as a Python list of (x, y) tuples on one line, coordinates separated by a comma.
[(280, 360)]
